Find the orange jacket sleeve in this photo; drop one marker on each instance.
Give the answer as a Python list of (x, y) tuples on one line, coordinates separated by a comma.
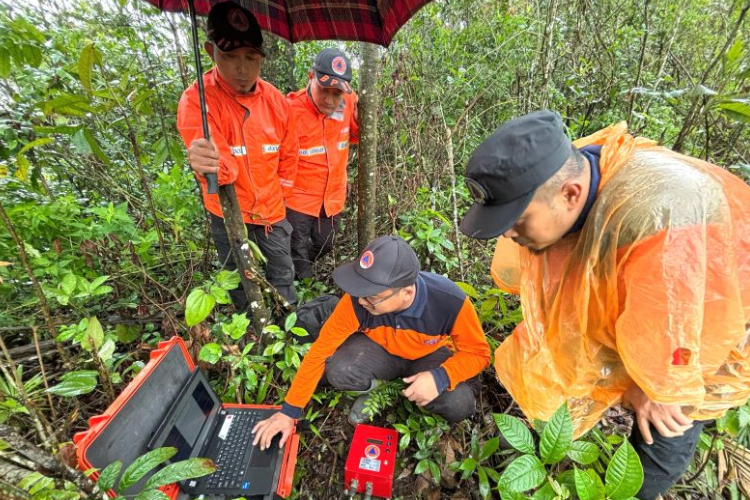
[(472, 351), (190, 125), (342, 323), (288, 153)]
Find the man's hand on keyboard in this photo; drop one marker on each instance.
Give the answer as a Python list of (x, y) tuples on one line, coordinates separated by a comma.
[(265, 430)]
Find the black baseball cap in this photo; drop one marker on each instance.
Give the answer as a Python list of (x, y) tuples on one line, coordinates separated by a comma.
[(387, 262), (231, 26), (333, 69), (505, 171)]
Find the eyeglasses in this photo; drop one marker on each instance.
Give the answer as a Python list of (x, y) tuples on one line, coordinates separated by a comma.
[(376, 303)]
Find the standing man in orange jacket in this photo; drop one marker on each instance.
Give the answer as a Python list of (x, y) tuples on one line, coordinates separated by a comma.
[(325, 114), (253, 143)]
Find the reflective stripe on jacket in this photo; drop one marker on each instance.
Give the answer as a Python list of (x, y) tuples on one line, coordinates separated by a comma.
[(323, 154), (257, 143)]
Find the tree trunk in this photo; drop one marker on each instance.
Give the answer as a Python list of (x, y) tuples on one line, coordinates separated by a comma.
[(368, 145), (246, 266)]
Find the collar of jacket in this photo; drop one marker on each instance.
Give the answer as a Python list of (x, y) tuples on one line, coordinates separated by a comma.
[(311, 104), (416, 309), (222, 85)]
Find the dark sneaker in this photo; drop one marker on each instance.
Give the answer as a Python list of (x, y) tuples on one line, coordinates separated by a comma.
[(357, 414)]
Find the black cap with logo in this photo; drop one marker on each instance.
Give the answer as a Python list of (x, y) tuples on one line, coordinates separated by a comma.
[(231, 26), (387, 262), (333, 69), (505, 171)]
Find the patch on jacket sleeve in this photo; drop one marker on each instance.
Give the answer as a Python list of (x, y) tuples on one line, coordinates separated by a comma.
[(238, 150), (270, 148)]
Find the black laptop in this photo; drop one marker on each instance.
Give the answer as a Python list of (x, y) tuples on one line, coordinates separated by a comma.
[(198, 426)]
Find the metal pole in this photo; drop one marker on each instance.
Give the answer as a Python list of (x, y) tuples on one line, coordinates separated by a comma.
[(211, 180)]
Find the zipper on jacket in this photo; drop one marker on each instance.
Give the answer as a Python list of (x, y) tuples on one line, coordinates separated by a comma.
[(247, 160)]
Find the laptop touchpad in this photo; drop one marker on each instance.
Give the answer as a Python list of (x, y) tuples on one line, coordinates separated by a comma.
[(265, 458)]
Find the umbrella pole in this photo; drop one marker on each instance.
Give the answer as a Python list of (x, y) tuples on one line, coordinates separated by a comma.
[(211, 180)]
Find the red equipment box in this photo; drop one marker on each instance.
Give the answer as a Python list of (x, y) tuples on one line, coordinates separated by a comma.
[(123, 431), (371, 461)]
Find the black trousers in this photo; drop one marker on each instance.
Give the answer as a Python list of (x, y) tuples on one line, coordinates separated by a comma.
[(312, 238), (274, 242), (359, 361), (665, 460)]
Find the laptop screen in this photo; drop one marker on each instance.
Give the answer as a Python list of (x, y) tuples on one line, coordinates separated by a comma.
[(192, 413)]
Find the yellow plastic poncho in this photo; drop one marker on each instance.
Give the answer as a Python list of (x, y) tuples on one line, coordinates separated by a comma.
[(654, 289)]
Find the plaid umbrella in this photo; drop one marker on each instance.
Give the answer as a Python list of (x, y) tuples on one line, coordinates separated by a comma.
[(374, 21)]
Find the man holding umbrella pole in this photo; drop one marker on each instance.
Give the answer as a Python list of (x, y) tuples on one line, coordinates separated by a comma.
[(253, 143)]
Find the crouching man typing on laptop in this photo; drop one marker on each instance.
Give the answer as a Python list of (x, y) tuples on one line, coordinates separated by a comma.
[(393, 321)]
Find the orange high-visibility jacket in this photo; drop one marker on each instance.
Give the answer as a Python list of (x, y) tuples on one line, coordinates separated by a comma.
[(257, 144), (323, 154), (654, 289), (441, 315)]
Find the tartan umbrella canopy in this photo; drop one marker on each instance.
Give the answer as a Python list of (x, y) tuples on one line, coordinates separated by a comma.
[(373, 21)]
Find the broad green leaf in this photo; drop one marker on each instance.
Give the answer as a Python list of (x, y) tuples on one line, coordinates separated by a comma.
[(468, 290), (127, 333), (58, 129), (85, 63), (94, 145), (68, 104), (506, 494), (290, 321), (583, 452), (210, 353), (484, 484), (142, 465), (515, 432), (22, 168), (422, 466), (557, 436), (273, 349), (734, 53), (5, 66), (299, 332), (221, 295), (198, 307), (98, 282), (434, 471), (237, 328), (738, 111), (94, 336), (36, 143), (523, 473), (186, 469), (546, 492), (68, 283), (151, 495), (75, 384), (588, 485), (107, 350), (228, 280), (624, 475), (108, 476), (52, 494), (489, 448)]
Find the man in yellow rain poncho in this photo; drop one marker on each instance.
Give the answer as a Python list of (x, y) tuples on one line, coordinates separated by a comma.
[(633, 266)]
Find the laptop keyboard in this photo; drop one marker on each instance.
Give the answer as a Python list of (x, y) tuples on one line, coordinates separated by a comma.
[(234, 451)]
